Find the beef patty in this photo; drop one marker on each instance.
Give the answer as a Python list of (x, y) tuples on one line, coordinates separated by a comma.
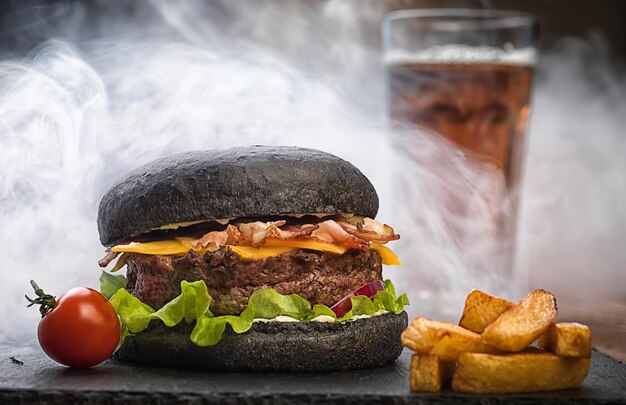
[(320, 277)]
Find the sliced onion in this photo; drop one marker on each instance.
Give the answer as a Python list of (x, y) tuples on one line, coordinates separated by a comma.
[(345, 304)]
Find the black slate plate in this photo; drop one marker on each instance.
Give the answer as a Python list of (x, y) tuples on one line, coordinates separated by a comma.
[(39, 379)]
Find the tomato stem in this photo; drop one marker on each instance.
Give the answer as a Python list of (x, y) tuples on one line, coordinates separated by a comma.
[(46, 301)]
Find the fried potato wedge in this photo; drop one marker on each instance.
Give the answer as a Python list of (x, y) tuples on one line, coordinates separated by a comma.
[(521, 325), (481, 309), (442, 339), (429, 373), (567, 340), (517, 372)]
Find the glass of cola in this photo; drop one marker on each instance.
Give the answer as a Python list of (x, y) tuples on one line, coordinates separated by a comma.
[(466, 75)]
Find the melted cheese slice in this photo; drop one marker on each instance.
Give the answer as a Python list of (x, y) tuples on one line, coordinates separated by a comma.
[(161, 247), (307, 244), (249, 252), (389, 258), (273, 247)]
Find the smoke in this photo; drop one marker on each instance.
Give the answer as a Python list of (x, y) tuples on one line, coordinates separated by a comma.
[(81, 110), (573, 216)]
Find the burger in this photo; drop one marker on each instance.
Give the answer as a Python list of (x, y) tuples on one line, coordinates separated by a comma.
[(250, 259)]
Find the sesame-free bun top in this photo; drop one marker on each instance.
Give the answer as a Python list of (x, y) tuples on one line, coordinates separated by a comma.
[(255, 181)]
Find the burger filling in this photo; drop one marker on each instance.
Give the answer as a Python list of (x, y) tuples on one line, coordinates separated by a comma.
[(336, 235), (247, 269), (319, 277)]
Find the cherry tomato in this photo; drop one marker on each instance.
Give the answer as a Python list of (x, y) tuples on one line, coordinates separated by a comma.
[(80, 330)]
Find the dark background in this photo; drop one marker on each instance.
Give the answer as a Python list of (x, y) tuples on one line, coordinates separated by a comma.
[(24, 24)]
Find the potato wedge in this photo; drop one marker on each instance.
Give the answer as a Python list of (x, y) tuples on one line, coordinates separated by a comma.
[(442, 339), (481, 309), (518, 327), (567, 340), (517, 372), (429, 373)]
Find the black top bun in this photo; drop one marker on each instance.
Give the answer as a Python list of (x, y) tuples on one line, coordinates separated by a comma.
[(232, 183), (274, 346)]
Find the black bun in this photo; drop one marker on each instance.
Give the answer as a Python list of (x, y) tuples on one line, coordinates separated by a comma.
[(275, 346), (232, 183)]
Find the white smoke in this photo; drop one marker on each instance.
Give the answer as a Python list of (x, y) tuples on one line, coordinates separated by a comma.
[(76, 114), (573, 217)]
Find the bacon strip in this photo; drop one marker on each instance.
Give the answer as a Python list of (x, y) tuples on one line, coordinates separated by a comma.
[(351, 232), (108, 258), (355, 234), (210, 241), (121, 262), (361, 232), (331, 232), (234, 235), (255, 233), (295, 231)]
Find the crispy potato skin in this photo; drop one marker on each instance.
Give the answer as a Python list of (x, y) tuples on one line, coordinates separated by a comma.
[(518, 372), (429, 373), (499, 360), (481, 309), (518, 327), (442, 339), (567, 340)]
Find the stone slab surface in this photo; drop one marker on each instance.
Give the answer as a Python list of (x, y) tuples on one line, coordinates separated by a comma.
[(39, 379)]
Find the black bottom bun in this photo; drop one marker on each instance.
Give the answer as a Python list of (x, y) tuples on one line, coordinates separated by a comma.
[(274, 346)]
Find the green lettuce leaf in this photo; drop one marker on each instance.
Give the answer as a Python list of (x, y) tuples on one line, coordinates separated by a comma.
[(208, 330), (268, 304), (319, 310), (110, 283), (194, 301), (387, 299), (134, 314)]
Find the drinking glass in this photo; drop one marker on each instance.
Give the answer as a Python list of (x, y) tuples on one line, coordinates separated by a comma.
[(466, 75)]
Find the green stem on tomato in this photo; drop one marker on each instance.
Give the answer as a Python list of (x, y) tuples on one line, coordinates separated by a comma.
[(46, 301)]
